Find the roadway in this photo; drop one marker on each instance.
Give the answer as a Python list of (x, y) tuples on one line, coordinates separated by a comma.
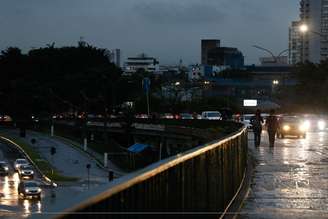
[(289, 180), (14, 206)]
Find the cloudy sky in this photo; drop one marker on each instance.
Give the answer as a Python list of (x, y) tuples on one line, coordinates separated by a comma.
[(167, 29)]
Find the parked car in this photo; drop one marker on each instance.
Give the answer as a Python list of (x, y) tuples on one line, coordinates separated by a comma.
[(19, 162), (212, 115), (291, 126), (29, 189), (26, 172), (4, 168)]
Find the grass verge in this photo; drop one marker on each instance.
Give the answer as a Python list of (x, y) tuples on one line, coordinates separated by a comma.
[(44, 166)]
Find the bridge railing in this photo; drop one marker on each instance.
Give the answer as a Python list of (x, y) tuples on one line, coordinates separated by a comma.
[(203, 180)]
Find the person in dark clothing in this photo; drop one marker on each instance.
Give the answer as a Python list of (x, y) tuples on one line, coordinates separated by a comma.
[(272, 126), (257, 122)]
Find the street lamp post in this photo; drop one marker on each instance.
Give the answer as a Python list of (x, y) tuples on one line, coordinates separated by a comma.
[(275, 57), (304, 28)]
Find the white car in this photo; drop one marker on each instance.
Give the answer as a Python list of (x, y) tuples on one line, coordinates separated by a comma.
[(20, 162), (26, 172), (212, 115), (315, 122), (29, 189), (246, 120)]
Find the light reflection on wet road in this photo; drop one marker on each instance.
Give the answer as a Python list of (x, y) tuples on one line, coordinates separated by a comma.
[(289, 180)]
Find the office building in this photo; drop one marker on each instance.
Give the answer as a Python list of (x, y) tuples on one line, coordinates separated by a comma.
[(208, 45), (295, 43), (141, 62), (274, 61), (215, 55), (225, 56)]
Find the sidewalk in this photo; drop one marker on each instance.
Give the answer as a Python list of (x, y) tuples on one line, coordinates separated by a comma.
[(99, 157), (68, 160), (289, 180)]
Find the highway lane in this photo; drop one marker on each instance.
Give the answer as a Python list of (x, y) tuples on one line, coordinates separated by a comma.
[(14, 206)]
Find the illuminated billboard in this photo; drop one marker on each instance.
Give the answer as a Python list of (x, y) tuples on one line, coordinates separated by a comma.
[(250, 103)]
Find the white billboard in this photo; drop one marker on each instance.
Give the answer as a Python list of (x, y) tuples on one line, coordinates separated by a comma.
[(250, 103)]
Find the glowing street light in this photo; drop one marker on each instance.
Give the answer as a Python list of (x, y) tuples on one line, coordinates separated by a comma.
[(304, 28), (177, 83)]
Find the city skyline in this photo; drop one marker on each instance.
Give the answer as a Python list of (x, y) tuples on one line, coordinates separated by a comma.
[(167, 30)]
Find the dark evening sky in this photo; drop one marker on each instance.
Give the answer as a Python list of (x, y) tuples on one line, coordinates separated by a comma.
[(166, 29)]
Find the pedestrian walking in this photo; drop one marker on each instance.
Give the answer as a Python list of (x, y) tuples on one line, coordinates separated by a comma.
[(256, 122), (272, 126)]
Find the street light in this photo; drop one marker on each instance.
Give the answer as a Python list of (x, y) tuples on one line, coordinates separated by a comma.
[(271, 53), (304, 28)]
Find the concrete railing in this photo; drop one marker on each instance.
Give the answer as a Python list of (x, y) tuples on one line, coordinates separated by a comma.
[(203, 180)]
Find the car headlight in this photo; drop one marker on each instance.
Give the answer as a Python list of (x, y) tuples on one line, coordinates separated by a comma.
[(307, 125), (6, 168), (32, 172), (39, 190), (302, 128), (286, 127), (16, 165), (27, 190), (321, 125)]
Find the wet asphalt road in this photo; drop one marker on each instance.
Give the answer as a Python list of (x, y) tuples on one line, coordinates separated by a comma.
[(14, 206), (289, 180)]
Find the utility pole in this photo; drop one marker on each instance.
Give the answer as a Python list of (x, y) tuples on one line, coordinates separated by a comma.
[(85, 121), (146, 87)]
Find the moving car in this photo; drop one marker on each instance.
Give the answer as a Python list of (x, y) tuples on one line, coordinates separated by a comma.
[(26, 172), (29, 189), (19, 162), (167, 116), (4, 168), (315, 122), (212, 115), (291, 126), (186, 116)]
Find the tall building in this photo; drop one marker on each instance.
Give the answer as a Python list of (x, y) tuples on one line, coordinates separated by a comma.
[(208, 45), (314, 13), (215, 55), (225, 56), (115, 57), (295, 43)]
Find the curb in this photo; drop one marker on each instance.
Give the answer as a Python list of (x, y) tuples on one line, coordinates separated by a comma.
[(51, 183)]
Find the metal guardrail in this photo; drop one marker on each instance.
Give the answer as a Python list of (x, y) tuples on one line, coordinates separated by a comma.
[(201, 181)]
